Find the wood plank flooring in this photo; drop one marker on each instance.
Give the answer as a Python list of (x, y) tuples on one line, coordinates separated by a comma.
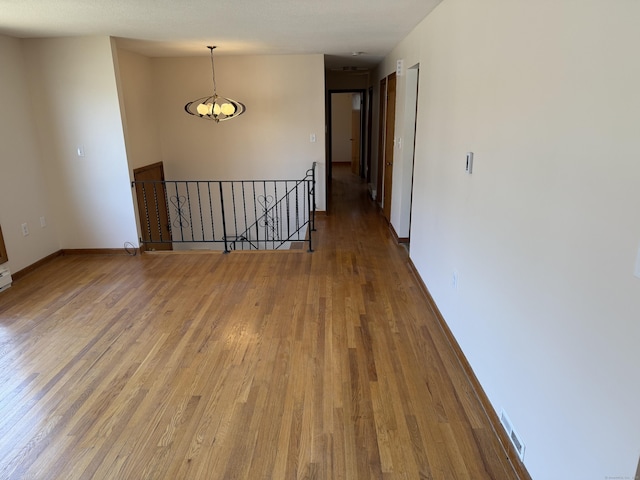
[(284, 365)]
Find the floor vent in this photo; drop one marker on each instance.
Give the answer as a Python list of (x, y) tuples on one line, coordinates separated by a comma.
[(513, 435), (5, 278)]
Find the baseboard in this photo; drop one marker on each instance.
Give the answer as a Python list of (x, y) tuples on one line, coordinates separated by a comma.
[(492, 416), (88, 251), (96, 251), (395, 236), (34, 266)]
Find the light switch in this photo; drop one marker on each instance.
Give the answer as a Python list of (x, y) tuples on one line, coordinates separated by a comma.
[(80, 150), (312, 138), (469, 166), (637, 270)]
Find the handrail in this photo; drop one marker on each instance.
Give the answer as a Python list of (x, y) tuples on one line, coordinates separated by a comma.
[(273, 208), (237, 214)]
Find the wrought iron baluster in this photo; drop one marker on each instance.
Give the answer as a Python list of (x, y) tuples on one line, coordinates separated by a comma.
[(255, 213), (309, 200), (244, 210), (213, 228), (298, 209), (235, 216), (286, 189), (264, 214), (275, 216), (200, 209), (224, 221)]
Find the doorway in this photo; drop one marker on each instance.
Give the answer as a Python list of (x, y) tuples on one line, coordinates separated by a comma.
[(348, 133)]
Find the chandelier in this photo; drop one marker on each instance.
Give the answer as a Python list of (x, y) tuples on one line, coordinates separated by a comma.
[(214, 107)]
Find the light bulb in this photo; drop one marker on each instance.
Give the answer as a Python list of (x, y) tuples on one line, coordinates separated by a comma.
[(203, 109), (216, 109), (228, 109)]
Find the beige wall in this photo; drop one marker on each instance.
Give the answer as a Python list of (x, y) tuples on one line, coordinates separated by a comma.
[(138, 107), (284, 96), (341, 120), (87, 94), (24, 197), (544, 234), (73, 86)]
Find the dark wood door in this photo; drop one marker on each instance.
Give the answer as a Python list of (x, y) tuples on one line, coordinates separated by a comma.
[(3, 251), (152, 207)]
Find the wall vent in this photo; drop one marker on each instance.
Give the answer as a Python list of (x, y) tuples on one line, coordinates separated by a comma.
[(516, 440)]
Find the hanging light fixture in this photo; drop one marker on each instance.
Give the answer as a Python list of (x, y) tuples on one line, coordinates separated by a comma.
[(214, 107)]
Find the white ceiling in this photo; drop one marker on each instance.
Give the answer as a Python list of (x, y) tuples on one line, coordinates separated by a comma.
[(239, 27)]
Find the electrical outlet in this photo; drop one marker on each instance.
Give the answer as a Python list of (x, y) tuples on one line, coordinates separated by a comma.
[(25, 230), (43, 222), (637, 269)]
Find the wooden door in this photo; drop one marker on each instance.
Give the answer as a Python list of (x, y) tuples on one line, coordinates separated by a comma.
[(152, 207), (381, 123), (389, 143), (3, 250), (355, 133)]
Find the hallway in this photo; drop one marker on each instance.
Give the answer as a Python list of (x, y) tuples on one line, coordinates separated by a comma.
[(267, 365)]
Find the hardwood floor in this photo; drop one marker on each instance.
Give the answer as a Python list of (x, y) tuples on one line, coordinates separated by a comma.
[(281, 365)]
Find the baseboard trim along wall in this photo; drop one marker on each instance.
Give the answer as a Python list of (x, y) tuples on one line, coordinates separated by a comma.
[(97, 251), (76, 251), (34, 266), (397, 239), (489, 411)]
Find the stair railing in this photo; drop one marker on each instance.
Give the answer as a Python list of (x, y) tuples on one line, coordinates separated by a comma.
[(228, 214)]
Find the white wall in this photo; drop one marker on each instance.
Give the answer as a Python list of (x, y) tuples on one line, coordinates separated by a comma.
[(23, 193), (73, 88), (544, 234), (284, 96)]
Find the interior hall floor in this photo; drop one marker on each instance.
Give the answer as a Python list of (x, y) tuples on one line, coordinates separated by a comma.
[(251, 365)]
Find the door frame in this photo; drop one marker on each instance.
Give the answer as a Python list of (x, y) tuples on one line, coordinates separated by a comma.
[(413, 118), (389, 146)]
